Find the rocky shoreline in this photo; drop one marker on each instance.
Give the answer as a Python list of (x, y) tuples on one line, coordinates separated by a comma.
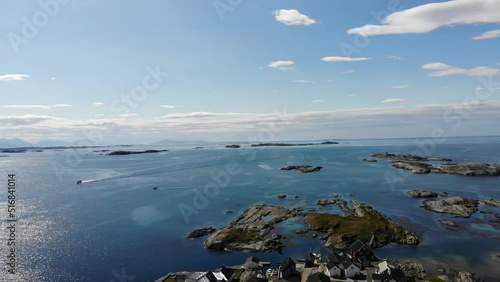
[(254, 230), (466, 169)]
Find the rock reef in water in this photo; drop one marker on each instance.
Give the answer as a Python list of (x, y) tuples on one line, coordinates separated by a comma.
[(122, 153), (448, 223), (303, 168), (458, 206), (370, 160), (200, 232), (408, 157), (426, 194), (466, 169), (252, 230), (233, 146)]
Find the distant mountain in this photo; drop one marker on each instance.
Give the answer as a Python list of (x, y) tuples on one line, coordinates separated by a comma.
[(14, 143)]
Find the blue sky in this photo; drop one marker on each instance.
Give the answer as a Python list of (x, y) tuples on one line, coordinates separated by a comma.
[(229, 70)]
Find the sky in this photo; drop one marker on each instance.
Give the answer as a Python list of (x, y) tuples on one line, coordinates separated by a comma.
[(142, 71)]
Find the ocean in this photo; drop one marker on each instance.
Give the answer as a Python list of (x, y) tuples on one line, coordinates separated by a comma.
[(119, 227)]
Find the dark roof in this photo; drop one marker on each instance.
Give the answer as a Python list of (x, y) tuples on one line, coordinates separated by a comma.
[(334, 257), (318, 277), (228, 272), (288, 262), (356, 246), (253, 259), (398, 275), (346, 263), (330, 264), (211, 277), (381, 277)]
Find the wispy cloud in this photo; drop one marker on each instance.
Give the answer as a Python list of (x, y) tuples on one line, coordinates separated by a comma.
[(394, 100), (349, 71), (13, 77), (282, 65), (392, 57), (301, 81), (428, 17), (169, 106), (343, 59), (317, 101), (400, 86), (30, 107), (488, 35), (61, 106), (292, 17), (441, 69), (98, 104)]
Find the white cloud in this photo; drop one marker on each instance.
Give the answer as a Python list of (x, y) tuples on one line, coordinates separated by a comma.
[(344, 59), (394, 100), (483, 71), (349, 71), (431, 16), (436, 66), (488, 35), (317, 101), (392, 57), (292, 17), (301, 81), (12, 77), (282, 65), (61, 106), (400, 86), (98, 104), (31, 107), (442, 69), (169, 106), (52, 78)]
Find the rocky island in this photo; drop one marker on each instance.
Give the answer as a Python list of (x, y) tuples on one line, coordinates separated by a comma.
[(466, 169), (122, 153), (254, 230), (458, 206), (408, 157), (234, 146), (293, 144), (303, 168), (426, 194)]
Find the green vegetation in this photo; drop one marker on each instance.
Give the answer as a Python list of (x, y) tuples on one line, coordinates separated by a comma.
[(433, 279), (174, 278), (237, 273), (239, 235), (350, 228)]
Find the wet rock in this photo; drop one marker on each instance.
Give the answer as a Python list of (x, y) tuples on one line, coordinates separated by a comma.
[(229, 211), (422, 194), (459, 206), (200, 232), (281, 196), (448, 223), (466, 169), (303, 168), (491, 202), (370, 160)]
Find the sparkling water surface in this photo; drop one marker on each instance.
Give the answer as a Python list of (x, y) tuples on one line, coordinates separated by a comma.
[(94, 231)]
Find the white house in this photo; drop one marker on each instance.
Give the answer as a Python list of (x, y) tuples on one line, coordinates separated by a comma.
[(350, 269), (333, 269)]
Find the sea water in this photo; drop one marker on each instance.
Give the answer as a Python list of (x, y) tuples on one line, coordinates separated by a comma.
[(122, 227)]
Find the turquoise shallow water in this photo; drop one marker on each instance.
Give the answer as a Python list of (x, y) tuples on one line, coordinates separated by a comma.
[(92, 231)]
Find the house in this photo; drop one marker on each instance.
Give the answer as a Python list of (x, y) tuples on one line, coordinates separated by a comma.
[(364, 262), (336, 258), (359, 249), (310, 260), (318, 277), (252, 263), (333, 269), (206, 277), (350, 268), (396, 274), (385, 277), (288, 270)]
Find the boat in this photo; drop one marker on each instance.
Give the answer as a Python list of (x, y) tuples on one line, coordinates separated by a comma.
[(79, 182)]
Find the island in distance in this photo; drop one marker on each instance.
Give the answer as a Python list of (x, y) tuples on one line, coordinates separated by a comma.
[(417, 164), (122, 153)]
